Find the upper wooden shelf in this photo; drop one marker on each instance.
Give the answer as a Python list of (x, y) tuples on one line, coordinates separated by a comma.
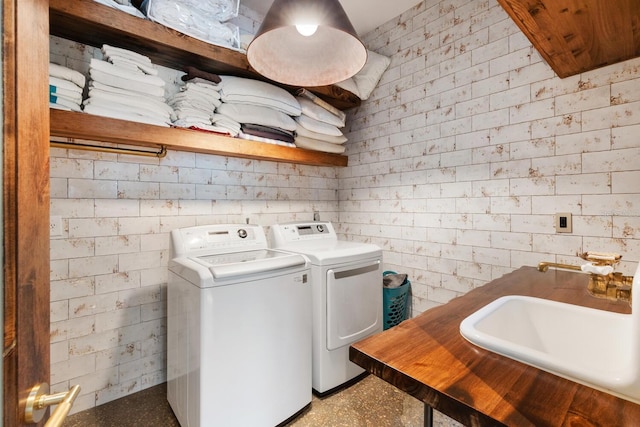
[(102, 129), (575, 36), (91, 23)]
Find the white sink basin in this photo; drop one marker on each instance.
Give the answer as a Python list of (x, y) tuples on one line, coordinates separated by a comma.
[(593, 347)]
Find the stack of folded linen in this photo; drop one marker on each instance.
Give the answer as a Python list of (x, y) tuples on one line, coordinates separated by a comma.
[(126, 86), (318, 129), (195, 104), (257, 110), (65, 88)]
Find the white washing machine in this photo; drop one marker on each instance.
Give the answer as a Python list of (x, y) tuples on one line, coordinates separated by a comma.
[(346, 281), (238, 328)]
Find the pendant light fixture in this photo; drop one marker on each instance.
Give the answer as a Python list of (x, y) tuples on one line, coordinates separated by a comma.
[(306, 43)]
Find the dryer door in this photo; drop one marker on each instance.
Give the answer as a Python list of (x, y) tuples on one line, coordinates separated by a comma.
[(354, 302)]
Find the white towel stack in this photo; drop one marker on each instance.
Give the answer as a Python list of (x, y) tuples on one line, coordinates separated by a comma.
[(65, 88), (318, 129), (195, 104), (126, 86)]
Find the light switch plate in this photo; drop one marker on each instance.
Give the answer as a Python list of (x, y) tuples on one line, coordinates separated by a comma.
[(564, 223)]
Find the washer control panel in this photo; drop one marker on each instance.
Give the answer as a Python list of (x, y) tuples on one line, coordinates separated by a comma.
[(218, 238), (297, 232)]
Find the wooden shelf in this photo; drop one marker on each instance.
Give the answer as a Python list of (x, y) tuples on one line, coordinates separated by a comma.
[(102, 129), (91, 23)]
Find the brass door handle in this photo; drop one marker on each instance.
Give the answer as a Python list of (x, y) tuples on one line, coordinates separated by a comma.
[(39, 399)]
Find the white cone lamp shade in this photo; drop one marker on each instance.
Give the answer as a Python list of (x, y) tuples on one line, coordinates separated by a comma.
[(329, 53)]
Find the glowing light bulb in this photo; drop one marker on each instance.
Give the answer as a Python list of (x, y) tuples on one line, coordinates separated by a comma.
[(306, 29)]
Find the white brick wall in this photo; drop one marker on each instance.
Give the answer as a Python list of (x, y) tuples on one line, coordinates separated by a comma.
[(486, 144), (458, 163)]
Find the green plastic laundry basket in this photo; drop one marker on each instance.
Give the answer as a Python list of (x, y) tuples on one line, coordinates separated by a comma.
[(395, 302)]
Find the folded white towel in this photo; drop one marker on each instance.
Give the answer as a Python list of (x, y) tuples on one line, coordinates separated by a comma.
[(149, 103), (113, 89), (313, 110), (124, 83), (248, 137), (107, 67), (128, 108), (75, 98), (65, 73), (205, 126), (317, 145), (302, 131), (65, 84), (132, 64), (109, 50), (73, 94), (73, 106), (114, 113), (318, 126), (255, 114), (226, 122), (59, 107)]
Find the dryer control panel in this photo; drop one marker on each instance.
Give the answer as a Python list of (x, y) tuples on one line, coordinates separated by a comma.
[(217, 238), (304, 231)]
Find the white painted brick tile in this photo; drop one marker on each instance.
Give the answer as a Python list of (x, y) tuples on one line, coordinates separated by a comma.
[(526, 112), (596, 183), (177, 191), (474, 74), (559, 125), (613, 116), (625, 227), (611, 161), (598, 140), (136, 261), (517, 241), (59, 269), (158, 208), (532, 186), (544, 224), (558, 165), (108, 323), (492, 50), (530, 74), (610, 204), (179, 158), (118, 281), (111, 357), (625, 136), (481, 238), (511, 169), (89, 344), (510, 133), (72, 248), (495, 187), (142, 331), (138, 190), (72, 368), (88, 189), (58, 311), (460, 253), (565, 244), (116, 391), (97, 380), (116, 171), (58, 188), (457, 284), (473, 172), (498, 257), (491, 119), (553, 204), (91, 305), (71, 328), (555, 87), (599, 226), (62, 290), (71, 168), (583, 100), (116, 208), (492, 222), (155, 173), (59, 352), (123, 244), (92, 227), (514, 60), (625, 182), (511, 205), (93, 265), (456, 158)]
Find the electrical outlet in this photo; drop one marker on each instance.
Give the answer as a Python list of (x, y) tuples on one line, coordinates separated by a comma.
[(563, 223), (55, 226)]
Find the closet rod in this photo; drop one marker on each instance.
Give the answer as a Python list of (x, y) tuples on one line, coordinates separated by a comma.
[(117, 150)]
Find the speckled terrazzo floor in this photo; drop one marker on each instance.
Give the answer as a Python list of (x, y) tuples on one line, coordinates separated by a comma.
[(370, 402)]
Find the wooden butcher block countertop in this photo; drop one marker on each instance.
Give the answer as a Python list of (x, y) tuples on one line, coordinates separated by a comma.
[(428, 358)]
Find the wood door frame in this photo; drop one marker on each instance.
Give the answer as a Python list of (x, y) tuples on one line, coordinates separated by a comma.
[(25, 202)]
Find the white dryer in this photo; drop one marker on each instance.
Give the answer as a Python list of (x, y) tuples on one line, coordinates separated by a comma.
[(346, 282), (238, 328)]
